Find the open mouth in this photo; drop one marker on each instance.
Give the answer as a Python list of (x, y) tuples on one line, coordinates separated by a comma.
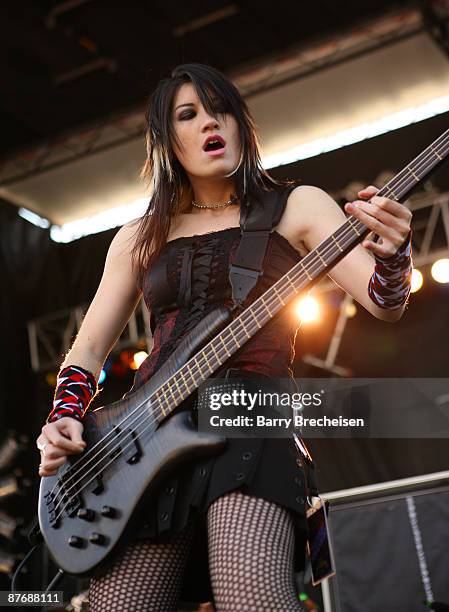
[(213, 145)]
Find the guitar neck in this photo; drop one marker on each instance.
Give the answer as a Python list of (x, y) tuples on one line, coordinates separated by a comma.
[(303, 275)]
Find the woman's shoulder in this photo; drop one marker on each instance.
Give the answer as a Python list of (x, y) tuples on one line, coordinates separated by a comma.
[(302, 193), (305, 204), (125, 235), (122, 245)]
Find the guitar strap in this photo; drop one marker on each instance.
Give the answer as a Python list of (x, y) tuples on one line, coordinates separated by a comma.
[(257, 222)]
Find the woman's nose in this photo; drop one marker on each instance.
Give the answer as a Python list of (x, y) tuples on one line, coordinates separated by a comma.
[(210, 123)]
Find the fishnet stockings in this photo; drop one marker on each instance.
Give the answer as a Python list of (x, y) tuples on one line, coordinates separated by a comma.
[(251, 546), (146, 576)]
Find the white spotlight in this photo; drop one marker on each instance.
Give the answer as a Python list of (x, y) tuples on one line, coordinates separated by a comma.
[(417, 280), (308, 309), (440, 271)]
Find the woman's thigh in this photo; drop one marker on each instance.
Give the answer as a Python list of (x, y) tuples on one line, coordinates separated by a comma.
[(145, 576), (251, 555)]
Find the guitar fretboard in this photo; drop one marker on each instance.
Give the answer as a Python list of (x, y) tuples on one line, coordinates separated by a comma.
[(303, 275)]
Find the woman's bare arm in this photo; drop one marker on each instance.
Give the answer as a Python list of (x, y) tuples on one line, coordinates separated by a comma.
[(114, 302), (316, 216), (111, 308)]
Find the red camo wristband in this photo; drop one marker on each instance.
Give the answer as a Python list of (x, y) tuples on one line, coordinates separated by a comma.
[(390, 283), (74, 391)]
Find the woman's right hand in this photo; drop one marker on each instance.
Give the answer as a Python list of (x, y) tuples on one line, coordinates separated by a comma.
[(61, 438)]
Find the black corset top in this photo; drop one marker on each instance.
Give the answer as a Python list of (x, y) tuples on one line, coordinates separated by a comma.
[(190, 278)]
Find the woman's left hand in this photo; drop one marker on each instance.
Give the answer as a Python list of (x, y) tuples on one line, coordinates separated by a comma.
[(387, 218)]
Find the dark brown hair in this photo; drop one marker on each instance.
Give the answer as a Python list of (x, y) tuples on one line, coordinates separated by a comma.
[(167, 180)]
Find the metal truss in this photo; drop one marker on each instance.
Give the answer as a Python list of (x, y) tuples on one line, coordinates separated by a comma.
[(50, 337), (271, 72), (106, 134), (304, 61), (430, 228)]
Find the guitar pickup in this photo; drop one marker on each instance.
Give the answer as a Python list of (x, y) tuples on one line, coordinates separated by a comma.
[(117, 449), (133, 450), (99, 487)]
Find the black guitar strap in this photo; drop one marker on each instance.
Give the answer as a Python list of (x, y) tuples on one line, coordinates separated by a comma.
[(256, 222)]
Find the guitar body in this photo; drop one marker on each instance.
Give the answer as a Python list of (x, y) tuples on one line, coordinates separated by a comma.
[(86, 513)]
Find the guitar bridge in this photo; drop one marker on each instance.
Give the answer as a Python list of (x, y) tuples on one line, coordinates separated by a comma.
[(62, 502), (50, 505)]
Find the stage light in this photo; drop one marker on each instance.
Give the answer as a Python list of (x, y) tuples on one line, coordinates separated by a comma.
[(417, 280), (102, 377), (14, 484), (9, 525), (308, 309), (51, 379), (119, 369), (8, 562), (10, 449), (122, 365), (104, 220), (350, 310), (34, 218), (138, 359), (9, 485), (357, 133), (440, 271)]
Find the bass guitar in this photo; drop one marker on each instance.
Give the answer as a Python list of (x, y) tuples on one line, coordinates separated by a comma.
[(87, 509)]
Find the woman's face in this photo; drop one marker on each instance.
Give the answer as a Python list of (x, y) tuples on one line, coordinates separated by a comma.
[(195, 129)]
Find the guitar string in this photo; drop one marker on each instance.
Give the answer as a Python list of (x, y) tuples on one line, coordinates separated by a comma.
[(404, 170), (142, 418), (147, 399), (222, 332)]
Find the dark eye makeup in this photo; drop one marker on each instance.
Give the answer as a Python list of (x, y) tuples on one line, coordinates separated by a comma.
[(186, 115), (219, 108)]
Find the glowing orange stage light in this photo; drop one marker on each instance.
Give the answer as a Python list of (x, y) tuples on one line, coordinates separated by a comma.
[(51, 379), (417, 280), (308, 309), (138, 359), (350, 310)]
